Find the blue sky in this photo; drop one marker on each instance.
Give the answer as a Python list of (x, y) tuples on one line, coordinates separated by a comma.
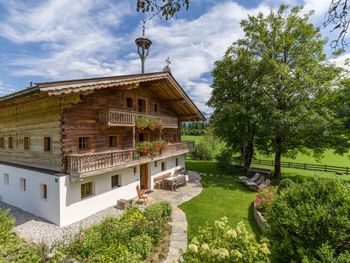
[(64, 39)]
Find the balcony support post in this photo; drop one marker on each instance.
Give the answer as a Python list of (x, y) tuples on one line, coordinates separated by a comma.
[(133, 136)]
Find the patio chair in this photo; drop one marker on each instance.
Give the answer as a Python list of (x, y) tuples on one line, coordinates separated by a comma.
[(257, 187), (141, 195), (251, 179)]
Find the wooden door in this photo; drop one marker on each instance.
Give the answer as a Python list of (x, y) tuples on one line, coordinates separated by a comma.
[(144, 184)]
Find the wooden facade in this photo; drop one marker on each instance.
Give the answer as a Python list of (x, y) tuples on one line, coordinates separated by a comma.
[(49, 122)]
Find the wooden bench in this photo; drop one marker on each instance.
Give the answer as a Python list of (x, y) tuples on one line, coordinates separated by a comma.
[(157, 181), (265, 172)]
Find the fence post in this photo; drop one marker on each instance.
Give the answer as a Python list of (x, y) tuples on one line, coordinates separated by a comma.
[(304, 166), (325, 167), (288, 164), (347, 170)]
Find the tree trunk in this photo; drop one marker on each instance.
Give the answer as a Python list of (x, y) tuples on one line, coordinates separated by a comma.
[(278, 155), (247, 154)]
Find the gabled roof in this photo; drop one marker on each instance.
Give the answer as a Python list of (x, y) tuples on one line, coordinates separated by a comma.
[(163, 84)]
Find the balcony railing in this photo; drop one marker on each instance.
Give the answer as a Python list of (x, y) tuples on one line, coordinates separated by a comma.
[(83, 165), (112, 117)]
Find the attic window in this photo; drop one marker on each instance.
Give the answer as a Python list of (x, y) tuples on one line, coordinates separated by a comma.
[(142, 105), (156, 108)]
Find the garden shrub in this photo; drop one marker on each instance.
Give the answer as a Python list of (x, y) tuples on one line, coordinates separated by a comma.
[(264, 199), (12, 248), (202, 152), (129, 238), (305, 217), (285, 183), (219, 242), (224, 160)]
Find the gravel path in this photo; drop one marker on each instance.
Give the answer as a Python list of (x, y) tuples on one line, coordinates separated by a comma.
[(37, 230)]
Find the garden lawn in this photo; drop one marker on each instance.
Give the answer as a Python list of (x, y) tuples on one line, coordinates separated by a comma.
[(329, 157), (221, 196)]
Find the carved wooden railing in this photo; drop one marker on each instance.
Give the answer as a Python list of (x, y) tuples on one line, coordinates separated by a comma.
[(117, 117), (91, 162)]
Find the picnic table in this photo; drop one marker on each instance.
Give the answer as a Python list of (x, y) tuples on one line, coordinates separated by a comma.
[(175, 181)]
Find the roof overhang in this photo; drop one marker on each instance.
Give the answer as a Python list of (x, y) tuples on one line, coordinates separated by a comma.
[(163, 84)]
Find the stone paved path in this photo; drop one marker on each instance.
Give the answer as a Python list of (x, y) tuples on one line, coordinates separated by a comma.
[(178, 238)]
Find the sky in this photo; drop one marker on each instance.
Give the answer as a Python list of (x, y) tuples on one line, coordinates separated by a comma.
[(53, 40)]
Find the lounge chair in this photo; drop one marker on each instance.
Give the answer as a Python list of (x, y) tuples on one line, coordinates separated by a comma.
[(257, 181), (141, 195), (252, 179), (258, 187)]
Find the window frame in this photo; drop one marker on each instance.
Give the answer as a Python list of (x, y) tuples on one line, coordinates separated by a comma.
[(47, 145), (163, 166), (138, 106), (6, 179), (26, 143), (117, 141), (86, 195), (88, 143), (43, 191), (117, 181), (156, 107), (22, 184), (177, 161), (2, 142), (10, 143), (127, 100)]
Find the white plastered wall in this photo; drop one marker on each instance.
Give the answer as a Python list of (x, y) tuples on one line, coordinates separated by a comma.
[(31, 200), (73, 208), (170, 166)]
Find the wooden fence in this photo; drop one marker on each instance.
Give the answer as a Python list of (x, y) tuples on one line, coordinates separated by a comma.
[(306, 166)]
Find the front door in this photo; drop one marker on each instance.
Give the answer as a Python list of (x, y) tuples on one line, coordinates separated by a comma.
[(144, 176)]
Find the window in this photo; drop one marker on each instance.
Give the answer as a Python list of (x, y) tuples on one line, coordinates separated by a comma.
[(163, 166), (115, 181), (2, 142), (6, 179), (43, 191), (142, 137), (155, 107), (142, 105), (129, 103), (22, 184), (86, 190), (26, 143), (10, 143), (155, 164), (113, 141), (176, 161), (84, 143), (47, 144)]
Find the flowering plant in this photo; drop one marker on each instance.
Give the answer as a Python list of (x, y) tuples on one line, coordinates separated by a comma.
[(219, 242)]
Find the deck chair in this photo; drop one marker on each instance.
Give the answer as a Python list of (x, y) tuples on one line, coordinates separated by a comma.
[(251, 179), (141, 195), (258, 181), (264, 184)]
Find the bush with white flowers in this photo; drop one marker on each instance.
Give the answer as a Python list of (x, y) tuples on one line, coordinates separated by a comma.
[(219, 242)]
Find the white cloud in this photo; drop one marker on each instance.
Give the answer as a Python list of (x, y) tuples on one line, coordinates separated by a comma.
[(82, 38)]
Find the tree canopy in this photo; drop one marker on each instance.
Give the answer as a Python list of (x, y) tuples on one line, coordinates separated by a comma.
[(290, 86), (165, 8)]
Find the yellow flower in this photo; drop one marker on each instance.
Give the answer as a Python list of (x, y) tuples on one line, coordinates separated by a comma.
[(193, 248), (205, 246), (265, 249), (223, 253), (231, 233), (237, 254)]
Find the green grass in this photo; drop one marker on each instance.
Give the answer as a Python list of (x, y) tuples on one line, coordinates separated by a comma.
[(192, 138), (221, 196), (329, 157)]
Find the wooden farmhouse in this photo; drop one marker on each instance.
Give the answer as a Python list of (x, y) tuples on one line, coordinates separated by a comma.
[(69, 149)]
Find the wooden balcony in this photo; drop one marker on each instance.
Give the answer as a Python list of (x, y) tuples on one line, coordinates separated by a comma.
[(113, 117), (84, 165)]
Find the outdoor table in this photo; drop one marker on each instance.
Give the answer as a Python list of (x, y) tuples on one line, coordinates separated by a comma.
[(172, 180)]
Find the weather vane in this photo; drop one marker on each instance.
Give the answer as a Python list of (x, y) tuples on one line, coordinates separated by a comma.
[(168, 62)]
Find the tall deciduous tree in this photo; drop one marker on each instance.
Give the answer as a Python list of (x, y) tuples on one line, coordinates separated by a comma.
[(291, 85), (165, 8), (237, 101)]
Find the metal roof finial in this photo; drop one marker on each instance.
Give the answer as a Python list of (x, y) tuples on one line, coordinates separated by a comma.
[(167, 67), (143, 45)]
